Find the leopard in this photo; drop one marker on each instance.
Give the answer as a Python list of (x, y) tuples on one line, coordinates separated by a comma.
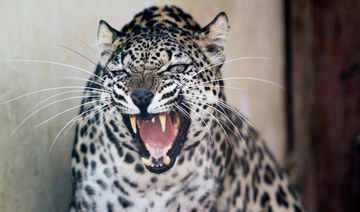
[(156, 133)]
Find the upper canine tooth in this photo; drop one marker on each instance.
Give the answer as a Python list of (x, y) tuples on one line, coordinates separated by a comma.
[(162, 117), (166, 160), (133, 123)]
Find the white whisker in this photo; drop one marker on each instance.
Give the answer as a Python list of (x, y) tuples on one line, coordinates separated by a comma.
[(241, 58), (81, 79), (184, 112), (89, 47), (97, 110), (108, 116), (61, 100), (83, 56), (205, 68), (211, 137), (56, 63), (221, 86), (246, 58), (232, 109), (226, 105), (50, 89), (77, 106), (209, 66), (227, 136), (225, 116), (246, 78), (53, 96), (62, 129), (98, 58)]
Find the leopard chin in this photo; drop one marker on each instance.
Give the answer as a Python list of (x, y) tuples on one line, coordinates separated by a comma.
[(159, 137)]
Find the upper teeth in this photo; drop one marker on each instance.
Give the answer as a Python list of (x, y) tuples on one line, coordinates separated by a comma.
[(162, 118), (133, 122)]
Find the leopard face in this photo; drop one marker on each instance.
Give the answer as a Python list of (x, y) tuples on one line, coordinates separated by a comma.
[(154, 76)]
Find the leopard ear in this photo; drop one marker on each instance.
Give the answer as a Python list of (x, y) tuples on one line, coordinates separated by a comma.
[(106, 36), (211, 38), (109, 39)]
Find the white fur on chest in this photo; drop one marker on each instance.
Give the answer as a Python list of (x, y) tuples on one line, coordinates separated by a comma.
[(181, 186)]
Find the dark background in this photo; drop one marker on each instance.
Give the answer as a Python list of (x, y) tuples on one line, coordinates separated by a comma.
[(323, 76)]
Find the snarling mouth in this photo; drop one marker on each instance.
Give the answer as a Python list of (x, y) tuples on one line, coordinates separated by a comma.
[(160, 138)]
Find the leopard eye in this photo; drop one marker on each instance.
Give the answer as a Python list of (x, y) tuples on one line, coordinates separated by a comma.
[(119, 73), (178, 68), (116, 72)]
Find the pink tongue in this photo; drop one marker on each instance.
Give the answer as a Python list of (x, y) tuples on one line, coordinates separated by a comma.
[(152, 134)]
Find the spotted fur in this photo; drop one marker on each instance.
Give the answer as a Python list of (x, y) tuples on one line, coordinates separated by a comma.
[(219, 162)]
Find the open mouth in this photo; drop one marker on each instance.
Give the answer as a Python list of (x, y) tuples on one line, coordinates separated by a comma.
[(159, 137)]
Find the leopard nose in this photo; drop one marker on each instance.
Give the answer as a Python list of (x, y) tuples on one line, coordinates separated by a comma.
[(142, 99)]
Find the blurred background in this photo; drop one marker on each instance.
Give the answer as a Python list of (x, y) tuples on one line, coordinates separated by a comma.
[(309, 47)]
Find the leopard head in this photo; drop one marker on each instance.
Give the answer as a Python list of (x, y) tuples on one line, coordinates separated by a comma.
[(157, 78)]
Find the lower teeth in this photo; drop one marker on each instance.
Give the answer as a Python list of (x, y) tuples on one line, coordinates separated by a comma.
[(149, 162), (166, 160)]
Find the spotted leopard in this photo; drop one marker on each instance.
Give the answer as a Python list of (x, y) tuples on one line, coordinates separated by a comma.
[(156, 133)]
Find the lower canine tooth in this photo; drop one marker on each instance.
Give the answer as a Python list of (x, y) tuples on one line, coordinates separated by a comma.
[(133, 123), (176, 122), (139, 122), (147, 162), (162, 118), (153, 120), (166, 160)]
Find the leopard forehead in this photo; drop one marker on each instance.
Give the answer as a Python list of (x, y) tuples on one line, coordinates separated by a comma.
[(152, 49)]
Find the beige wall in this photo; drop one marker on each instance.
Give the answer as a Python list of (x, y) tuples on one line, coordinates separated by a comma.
[(29, 179)]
